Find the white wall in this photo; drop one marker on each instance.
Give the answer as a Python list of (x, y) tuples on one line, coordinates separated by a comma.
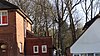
[(89, 42)]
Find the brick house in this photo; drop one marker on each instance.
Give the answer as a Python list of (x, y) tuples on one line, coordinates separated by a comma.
[(13, 26), (38, 46)]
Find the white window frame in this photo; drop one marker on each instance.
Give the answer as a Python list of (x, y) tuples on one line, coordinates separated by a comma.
[(44, 46), (20, 44), (1, 17), (36, 46)]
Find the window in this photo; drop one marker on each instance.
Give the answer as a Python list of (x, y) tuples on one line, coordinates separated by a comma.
[(3, 18), (20, 47), (90, 54), (83, 54), (97, 54), (35, 49), (44, 48), (75, 54)]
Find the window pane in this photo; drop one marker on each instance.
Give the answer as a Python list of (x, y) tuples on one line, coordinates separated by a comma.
[(4, 19), (35, 49), (97, 54), (44, 48), (83, 55), (0, 19), (90, 54), (0, 13), (76, 54), (4, 13)]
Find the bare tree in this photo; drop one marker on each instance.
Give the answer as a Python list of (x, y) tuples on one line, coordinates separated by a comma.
[(45, 15), (89, 8), (64, 8), (42, 17)]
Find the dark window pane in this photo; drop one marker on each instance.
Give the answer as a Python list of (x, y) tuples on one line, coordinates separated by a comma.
[(76, 54), (4, 13), (35, 49), (97, 54), (83, 54), (0, 19), (44, 48), (90, 54)]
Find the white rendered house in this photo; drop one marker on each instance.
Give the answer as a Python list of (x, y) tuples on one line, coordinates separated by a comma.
[(88, 43)]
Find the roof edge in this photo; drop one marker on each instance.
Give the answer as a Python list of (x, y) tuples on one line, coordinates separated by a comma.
[(24, 15), (86, 27)]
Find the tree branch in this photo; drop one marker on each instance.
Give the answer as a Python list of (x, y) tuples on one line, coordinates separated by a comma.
[(76, 4)]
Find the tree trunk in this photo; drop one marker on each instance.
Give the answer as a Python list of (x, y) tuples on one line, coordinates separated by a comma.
[(72, 26)]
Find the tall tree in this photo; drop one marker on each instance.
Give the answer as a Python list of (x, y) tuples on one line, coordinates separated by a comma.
[(88, 8), (43, 15), (64, 8)]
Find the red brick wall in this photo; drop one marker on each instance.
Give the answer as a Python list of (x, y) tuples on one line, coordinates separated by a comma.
[(68, 52), (10, 28), (30, 42), (7, 34)]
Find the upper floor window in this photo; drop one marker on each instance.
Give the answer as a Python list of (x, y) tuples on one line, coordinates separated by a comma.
[(44, 48), (4, 17)]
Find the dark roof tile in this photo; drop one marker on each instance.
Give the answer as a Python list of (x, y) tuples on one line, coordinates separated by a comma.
[(7, 5)]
